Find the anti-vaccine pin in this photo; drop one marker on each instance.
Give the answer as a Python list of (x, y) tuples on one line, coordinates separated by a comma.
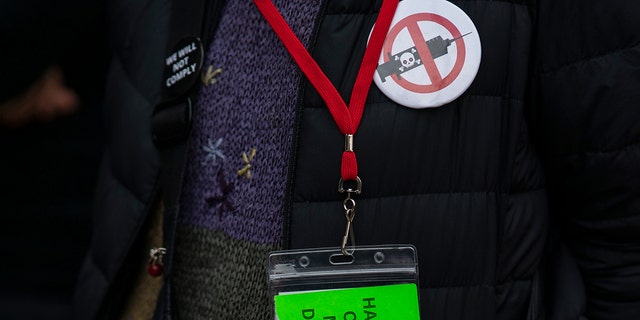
[(182, 66), (431, 54)]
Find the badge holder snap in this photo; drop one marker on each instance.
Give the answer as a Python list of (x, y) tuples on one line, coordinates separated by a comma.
[(372, 282)]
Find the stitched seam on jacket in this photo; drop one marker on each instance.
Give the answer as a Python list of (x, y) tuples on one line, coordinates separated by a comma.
[(118, 64), (154, 97), (616, 51), (482, 285), (428, 194), (464, 97), (624, 148), (347, 12), (632, 145)]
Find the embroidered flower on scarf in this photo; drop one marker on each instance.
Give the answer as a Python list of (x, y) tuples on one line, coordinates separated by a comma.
[(213, 152), (219, 199)]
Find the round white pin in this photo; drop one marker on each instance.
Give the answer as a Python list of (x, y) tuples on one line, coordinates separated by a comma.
[(431, 54)]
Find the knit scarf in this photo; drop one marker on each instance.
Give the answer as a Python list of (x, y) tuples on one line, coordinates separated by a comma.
[(235, 179)]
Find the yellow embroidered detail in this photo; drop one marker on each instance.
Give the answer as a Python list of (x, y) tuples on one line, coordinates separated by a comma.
[(246, 170), (209, 77)]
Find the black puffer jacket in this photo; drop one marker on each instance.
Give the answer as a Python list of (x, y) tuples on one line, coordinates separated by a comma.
[(464, 182), (460, 182), (585, 114)]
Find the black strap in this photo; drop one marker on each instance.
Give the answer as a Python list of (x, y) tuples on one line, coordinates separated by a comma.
[(171, 123)]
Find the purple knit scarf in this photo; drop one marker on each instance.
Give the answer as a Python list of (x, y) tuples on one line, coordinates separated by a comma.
[(234, 184)]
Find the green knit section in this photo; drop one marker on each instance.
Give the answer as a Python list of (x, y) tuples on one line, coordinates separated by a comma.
[(217, 277)]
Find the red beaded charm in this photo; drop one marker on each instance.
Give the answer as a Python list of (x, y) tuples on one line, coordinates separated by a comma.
[(155, 261), (155, 269)]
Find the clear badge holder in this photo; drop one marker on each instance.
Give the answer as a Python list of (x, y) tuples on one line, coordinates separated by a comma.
[(370, 282)]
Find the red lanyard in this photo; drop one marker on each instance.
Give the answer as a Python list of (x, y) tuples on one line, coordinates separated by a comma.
[(349, 118)]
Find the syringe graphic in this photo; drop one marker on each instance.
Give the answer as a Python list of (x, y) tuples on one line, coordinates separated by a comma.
[(437, 46)]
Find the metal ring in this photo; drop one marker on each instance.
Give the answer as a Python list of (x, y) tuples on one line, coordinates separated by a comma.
[(358, 189), (349, 204)]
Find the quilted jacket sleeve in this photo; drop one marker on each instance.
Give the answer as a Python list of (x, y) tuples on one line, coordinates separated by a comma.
[(586, 120)]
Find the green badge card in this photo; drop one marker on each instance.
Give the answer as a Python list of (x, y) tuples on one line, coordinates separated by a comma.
[(399, 301)]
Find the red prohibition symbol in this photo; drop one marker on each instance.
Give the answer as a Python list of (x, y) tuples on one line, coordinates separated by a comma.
[(438, 81)]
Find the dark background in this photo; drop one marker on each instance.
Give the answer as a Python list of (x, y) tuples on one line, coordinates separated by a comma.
[(48, 169)]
